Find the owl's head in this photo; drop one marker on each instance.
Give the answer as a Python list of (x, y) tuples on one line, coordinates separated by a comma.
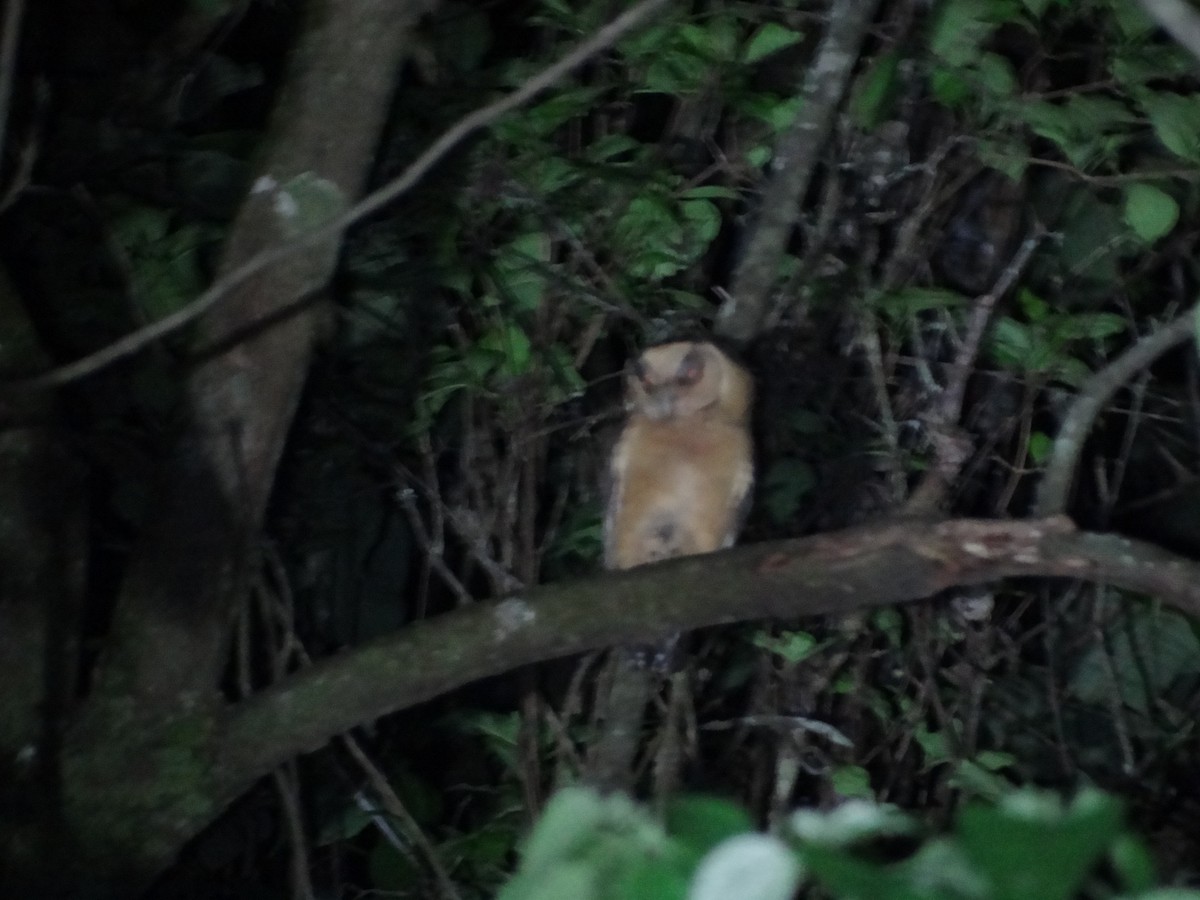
[(688, 378)]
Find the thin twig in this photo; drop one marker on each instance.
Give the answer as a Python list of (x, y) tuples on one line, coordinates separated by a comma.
[(480, 118), (288, 789), (949, 408), (951, 446), (395, 807), (432, 551), (889, 428), (1113, 694)]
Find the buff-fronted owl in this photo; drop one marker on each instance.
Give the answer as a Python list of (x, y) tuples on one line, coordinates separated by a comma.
[(683, 466)]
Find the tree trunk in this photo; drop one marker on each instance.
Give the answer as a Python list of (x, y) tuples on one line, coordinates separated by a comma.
[(137, 773)]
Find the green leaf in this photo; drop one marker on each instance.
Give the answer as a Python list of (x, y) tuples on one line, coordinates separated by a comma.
[(705, 221), (1087, 129), (1092, 231), (875, 91), (1040, 445), (610, 145), (165, 270), (959, 27), (852, 822), (757, 157), (553, 173), (1131, 19), (1010, 343), (1136, 65), (996, 75), (852, 781), (551, 114), (749, 867), (1035, 308), (649, 878), (933, 745), (710, 192), (568, 822), (941, 870), (307, 202), (1005, 153), (700, 823), (769, 38), (713, 42), (1176, 121), (787, 483), (778, 112), (1030, 846), (890, 623), (577, 880), (1090, 326), (994, 760), (1133, 863), (1144, 654), (645, 42), (847, 875), (903, 305), (790, 646), (973, 780), (499, 732), (1150, 211), (521, 269), (950, 87), (509, 348), (1071, 372), (680, 68)]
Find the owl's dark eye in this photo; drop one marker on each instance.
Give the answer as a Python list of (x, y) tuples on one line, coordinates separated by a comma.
[(690, 369)]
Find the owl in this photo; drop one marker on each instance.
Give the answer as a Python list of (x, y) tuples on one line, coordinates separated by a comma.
[(682, 468)]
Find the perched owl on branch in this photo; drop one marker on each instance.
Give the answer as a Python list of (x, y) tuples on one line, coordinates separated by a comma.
[(680, 481), (683, 466)]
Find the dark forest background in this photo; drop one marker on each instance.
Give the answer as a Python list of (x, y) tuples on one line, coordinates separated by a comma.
[(955, 242)]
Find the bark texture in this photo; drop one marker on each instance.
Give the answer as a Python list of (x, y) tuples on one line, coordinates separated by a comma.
[(136, 775), (889, 562), (791, 169)]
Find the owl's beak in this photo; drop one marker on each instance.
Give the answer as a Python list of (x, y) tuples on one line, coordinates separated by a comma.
[(659, 404)]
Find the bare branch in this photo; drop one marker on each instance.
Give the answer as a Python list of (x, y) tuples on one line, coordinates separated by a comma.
[(1095, 393), (950, 408), (395, 808), (480, 118), (952, 447), (782, 191)]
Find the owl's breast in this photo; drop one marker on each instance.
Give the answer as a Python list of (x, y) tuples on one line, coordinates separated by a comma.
[(678, 488)]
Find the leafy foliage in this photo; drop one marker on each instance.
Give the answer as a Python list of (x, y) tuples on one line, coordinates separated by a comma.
[(1029, 844), (453, 433)]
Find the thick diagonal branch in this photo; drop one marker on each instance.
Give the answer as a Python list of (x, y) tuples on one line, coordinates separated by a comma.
[(872, 566)]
